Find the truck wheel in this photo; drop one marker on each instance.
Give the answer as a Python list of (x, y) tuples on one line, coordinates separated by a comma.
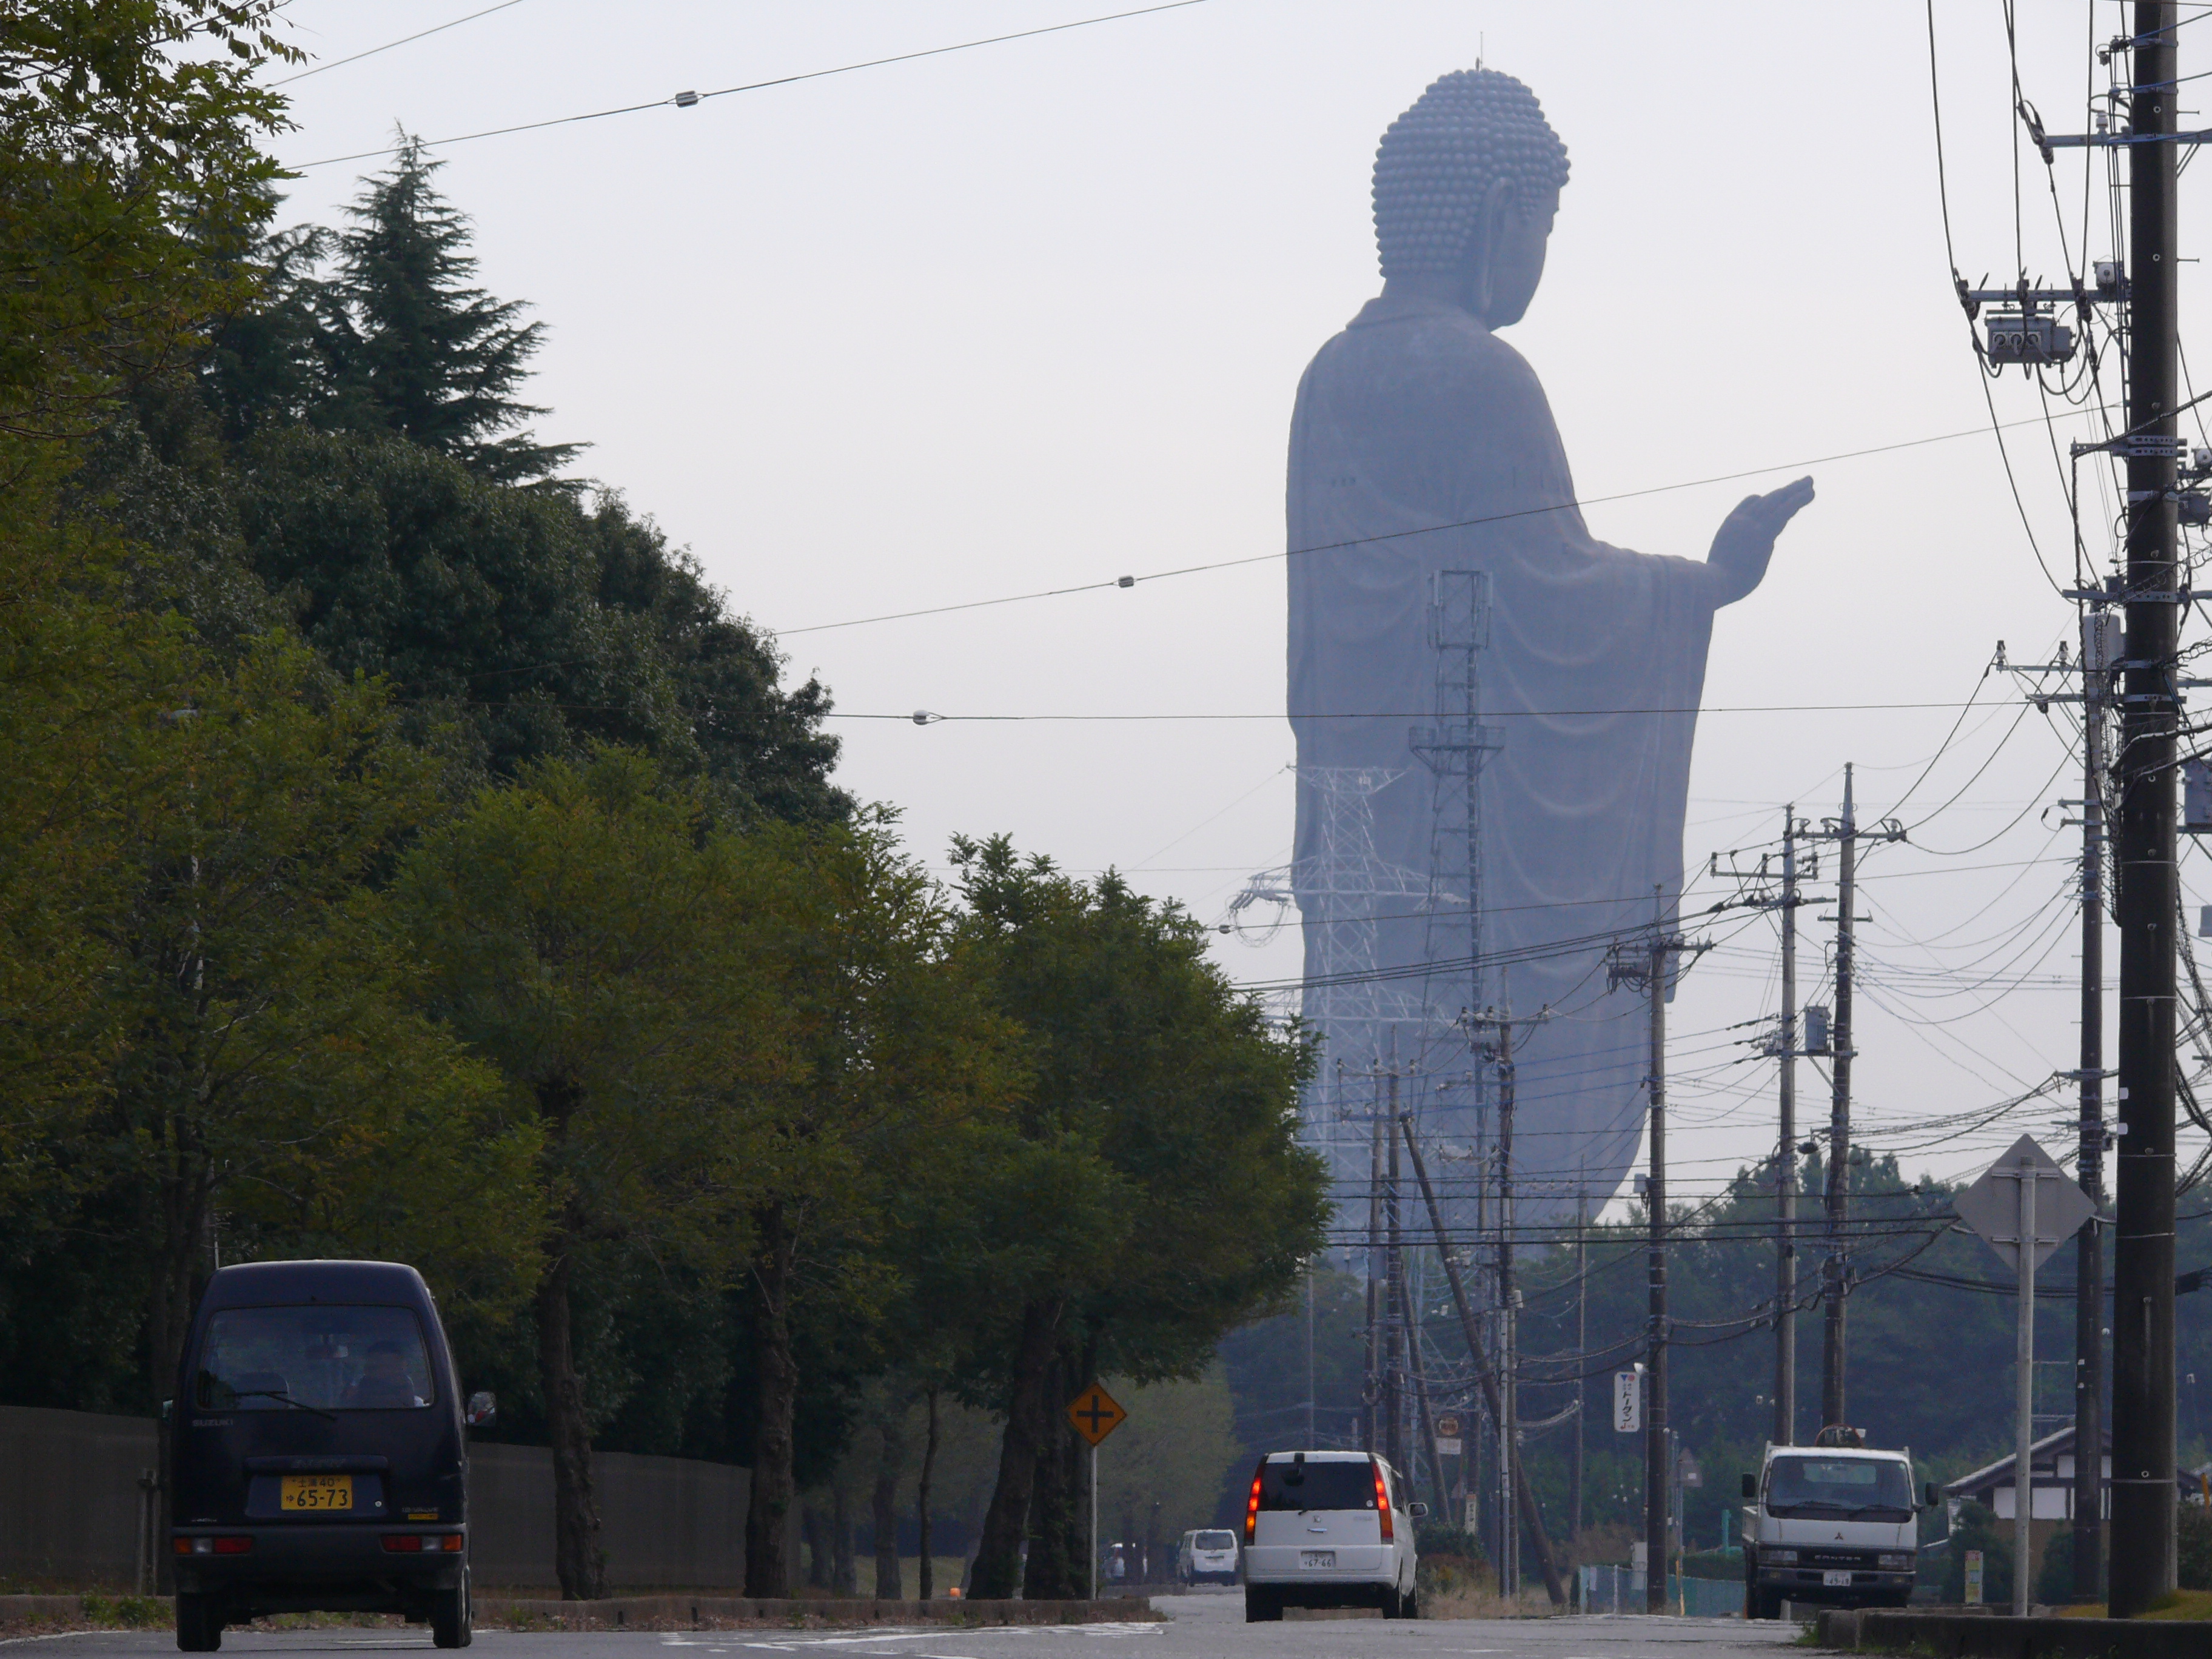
[(198, 1630), (1262, 1605), (451, 1621), (1765, 1604)]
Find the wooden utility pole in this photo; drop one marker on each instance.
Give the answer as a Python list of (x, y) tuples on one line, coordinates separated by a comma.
[(2142, 1567)]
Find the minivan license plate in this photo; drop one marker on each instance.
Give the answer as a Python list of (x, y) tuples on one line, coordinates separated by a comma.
[(1835, 1579), (1317, 1558), (316, 1492)]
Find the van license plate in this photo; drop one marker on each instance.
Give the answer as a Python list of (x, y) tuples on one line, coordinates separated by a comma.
[(1317, 1558), (1835, 1580), (316, 1492)]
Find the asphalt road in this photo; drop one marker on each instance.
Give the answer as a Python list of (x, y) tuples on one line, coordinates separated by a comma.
[(1198, 1627)]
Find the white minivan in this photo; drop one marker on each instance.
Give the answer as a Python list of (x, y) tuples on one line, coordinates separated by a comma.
[(1329, 1529), (1207, 1556)]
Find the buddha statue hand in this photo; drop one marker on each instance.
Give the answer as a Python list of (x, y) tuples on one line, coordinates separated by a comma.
[(1745, 541)]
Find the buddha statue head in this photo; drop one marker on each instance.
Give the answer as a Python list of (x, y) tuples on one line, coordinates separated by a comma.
[(1466, 184)]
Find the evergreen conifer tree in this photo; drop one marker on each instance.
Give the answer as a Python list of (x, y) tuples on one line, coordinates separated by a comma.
[(415, 347)]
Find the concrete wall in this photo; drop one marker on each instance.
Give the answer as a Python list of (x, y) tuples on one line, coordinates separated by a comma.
[(70, 1509)]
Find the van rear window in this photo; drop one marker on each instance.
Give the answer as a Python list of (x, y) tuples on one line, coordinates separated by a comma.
[(1213, 1541), (318, 1359), (1349, 1485)]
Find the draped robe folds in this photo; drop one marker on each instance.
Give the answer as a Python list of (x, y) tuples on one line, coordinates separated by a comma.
[(1417, 419)]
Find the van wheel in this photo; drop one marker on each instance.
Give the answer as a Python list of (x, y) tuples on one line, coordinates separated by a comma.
[(1409, 1605), (198, 1630), (1394, 1605), (1261, 1605), (452, 1624)]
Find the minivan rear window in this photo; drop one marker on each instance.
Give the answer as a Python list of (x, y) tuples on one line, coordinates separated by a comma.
[(319, 1357), (1213, 1541), (1348, 1486)]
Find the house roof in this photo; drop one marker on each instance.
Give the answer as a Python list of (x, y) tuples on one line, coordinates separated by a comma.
[(2042, 1459)]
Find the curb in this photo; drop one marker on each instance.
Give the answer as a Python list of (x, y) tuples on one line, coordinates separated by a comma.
[(1985, 1636)]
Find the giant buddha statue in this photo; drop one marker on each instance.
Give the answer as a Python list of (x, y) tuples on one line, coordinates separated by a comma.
[(1422, 443)]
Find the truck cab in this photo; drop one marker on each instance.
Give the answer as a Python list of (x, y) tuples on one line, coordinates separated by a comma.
[(1837, 1525)]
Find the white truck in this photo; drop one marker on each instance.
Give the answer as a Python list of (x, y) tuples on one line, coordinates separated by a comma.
[(1837, 1525)]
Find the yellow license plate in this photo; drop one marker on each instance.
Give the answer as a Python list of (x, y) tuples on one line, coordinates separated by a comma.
[(316, 1492)]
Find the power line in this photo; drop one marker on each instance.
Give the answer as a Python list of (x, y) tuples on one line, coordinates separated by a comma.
[(929, 718), (1396, 535), (403, 40), (685, 100)]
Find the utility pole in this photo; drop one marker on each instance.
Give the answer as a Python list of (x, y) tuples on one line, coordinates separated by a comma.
[(2101, 650), (1785, 1155), (1499, 1052), (1656, 952), (2142, 1538), (1582, 1347), (2099, 656), (1835, 1267), (1394, 1330), (1371, 1389), (1532, 1517)]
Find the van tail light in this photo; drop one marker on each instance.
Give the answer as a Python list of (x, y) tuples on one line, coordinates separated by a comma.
[(204, 1546), (1252, 1503), (1382, 1503), (416, 1543)]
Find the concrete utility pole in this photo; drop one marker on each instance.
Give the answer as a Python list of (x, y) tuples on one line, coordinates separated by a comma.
[(1582, 1346), (1394, 1321), (1370, 1392), (1532, 1517), (2099, 634), (1645, 964), (1785, 1155), (1835, 1267), (1499, 1052), (2143, 1543)]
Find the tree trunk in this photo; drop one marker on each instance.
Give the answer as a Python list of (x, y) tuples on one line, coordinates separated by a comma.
[(997, 1571), (925, 1585), (844, 1567), (578, 1560), (1057, 1547), (889, 1467), (814, 1533), (768, 1568)]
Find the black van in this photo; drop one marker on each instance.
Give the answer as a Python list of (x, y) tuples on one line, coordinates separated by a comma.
[(317, 1454)]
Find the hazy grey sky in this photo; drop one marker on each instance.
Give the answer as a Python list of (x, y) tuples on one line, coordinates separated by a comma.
[(1033, 315)]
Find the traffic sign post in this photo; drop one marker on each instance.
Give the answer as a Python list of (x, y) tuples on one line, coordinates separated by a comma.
[(1096, 1415), (2024, 1206)]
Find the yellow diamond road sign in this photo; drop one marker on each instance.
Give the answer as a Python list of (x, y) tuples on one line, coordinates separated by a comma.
[(1096, 1413)]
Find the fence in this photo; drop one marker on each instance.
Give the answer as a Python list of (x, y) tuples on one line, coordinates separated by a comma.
[(1607, 1588), (73, 1508)]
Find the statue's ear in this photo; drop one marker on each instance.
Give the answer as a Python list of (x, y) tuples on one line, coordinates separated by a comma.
[(1483, 238)]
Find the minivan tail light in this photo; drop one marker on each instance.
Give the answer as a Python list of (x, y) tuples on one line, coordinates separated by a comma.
[(1252, 1503), (206, 1545), (414, 1543), (1382, 1502)]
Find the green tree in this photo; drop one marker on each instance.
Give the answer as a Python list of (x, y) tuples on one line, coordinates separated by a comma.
[(894, 1053), (413, 347), (267, 1057), (128, 154), (589, 932), (1176, 1098)]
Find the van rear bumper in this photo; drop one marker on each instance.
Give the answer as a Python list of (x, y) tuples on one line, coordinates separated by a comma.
[(1283, 1563), (316, 1568)]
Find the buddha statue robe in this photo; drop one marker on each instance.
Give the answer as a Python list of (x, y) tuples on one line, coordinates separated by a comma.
[(1423, 443)]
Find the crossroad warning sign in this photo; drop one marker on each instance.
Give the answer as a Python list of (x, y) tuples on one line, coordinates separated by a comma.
[(1096, 1413)]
